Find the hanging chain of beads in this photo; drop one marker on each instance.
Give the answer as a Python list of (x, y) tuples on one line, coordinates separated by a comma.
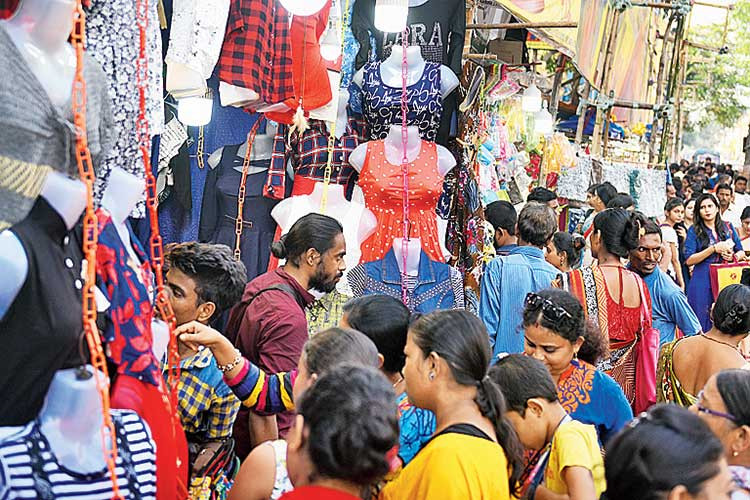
[(404, 166), (332, 128), (90, 237), (239, 222)]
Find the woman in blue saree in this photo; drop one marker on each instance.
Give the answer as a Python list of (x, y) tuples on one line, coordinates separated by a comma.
[(557, 333)]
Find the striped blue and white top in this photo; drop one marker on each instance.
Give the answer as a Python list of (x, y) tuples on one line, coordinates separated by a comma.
[(29, 468)]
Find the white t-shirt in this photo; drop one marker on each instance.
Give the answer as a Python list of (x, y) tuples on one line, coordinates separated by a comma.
[(669, 235)]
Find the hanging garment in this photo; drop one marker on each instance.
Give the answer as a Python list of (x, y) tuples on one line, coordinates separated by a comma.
[(257, 51), (326, 312), (312, 88), (219, 211), (41, 330), (128, 287), (436, 285), (153, 406), (197, 33), (382, 103), (438, 27), (383, 185), (31, 470), (308, 155), (112, 38), (41, 137)]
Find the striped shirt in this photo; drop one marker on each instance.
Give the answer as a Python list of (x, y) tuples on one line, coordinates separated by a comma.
[(262, 392), (29, 469)]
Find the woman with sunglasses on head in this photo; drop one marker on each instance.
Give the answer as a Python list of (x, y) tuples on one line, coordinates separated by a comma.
[(709, 241), (667, 453), (686, 364), (557, 334), (474, 453), (724, 404), (618, 300)]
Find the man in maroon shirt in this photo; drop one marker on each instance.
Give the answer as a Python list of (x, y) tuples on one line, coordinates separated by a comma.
[(269, 326)]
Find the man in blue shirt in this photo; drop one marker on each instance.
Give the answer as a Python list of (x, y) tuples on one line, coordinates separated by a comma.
[(507, 279), (503, 217), (669, 305)]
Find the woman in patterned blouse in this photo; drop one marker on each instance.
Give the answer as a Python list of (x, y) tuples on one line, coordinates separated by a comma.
[(557, 334)]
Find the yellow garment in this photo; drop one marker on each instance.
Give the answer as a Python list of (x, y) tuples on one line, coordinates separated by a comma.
[(453, 467), (574, 444)]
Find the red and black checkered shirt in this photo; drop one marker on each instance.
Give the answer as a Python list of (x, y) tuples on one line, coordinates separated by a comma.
[(257, 52)]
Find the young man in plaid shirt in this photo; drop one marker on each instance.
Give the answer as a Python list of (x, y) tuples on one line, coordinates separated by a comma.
[(204, 281)]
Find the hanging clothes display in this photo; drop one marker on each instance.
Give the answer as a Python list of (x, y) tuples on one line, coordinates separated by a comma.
[(381, 104), (438, 27), (31, 469), (307, 153), (312, 88), (41, 330), (197, 33), (382, 184), (41, 137), (257, 52), (128, 287), (219, 211), (436, 285), (112, 38)]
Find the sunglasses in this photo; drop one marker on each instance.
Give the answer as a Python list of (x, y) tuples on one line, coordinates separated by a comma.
[(551, 311), (708, 411)]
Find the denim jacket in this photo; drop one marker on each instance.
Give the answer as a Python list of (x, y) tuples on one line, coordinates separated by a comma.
[(438, 286)]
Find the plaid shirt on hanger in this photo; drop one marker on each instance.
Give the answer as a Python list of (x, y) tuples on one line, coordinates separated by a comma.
[(309, 155), (257, 53)]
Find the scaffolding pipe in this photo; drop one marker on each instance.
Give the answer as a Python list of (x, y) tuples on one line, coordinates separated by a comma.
[(514, 26)]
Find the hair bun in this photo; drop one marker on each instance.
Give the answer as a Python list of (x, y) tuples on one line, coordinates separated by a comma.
[(278, 249)]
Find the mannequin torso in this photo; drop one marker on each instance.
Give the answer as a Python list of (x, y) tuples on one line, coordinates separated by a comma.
[(390, 70), (40, 30), (68, 198), (394, 148), (413, 252), (122, 193), (72, 418), (360, 228), (261, 150)]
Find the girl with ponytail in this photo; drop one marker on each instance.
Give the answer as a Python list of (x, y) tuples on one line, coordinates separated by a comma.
[(475, 452)]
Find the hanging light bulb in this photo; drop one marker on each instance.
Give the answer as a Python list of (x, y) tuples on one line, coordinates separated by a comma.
[(330, 42), (390, 15), (303, 7), (195, 111), (543, 121), (531, 102)]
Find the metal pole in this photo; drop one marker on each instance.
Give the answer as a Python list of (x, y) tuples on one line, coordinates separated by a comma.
[(582, 116), (512, 26)]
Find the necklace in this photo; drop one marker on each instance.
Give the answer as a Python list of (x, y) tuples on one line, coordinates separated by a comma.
[(735, 347)]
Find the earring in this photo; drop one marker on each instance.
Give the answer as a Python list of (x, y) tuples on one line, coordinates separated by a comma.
[(735, 453), (432, 376)]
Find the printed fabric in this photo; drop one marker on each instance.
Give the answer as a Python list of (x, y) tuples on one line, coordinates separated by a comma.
[(206, 405), (282, 484), (257, 50), (29, 468), (382, 103), (383, 187), (197, 33), (326, 312), (668, 386), (436, 286), (593, 397), (128, 286), (308, 154), (112, 38), (416, 427)]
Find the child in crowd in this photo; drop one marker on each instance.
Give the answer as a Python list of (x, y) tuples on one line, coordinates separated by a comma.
[(567, 463)]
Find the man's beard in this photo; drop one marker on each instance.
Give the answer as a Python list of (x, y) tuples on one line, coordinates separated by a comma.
[(322, 282)]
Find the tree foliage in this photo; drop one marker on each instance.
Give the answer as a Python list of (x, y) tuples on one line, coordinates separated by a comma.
[(719, 84)]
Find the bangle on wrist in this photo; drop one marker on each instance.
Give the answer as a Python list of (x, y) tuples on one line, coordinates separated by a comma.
[(233, 364)]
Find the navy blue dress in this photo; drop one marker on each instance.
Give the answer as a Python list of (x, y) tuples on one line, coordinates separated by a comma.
[(219, 210)]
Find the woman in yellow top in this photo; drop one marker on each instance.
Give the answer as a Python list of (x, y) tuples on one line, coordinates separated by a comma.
[(474, 453), (567, 461)]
